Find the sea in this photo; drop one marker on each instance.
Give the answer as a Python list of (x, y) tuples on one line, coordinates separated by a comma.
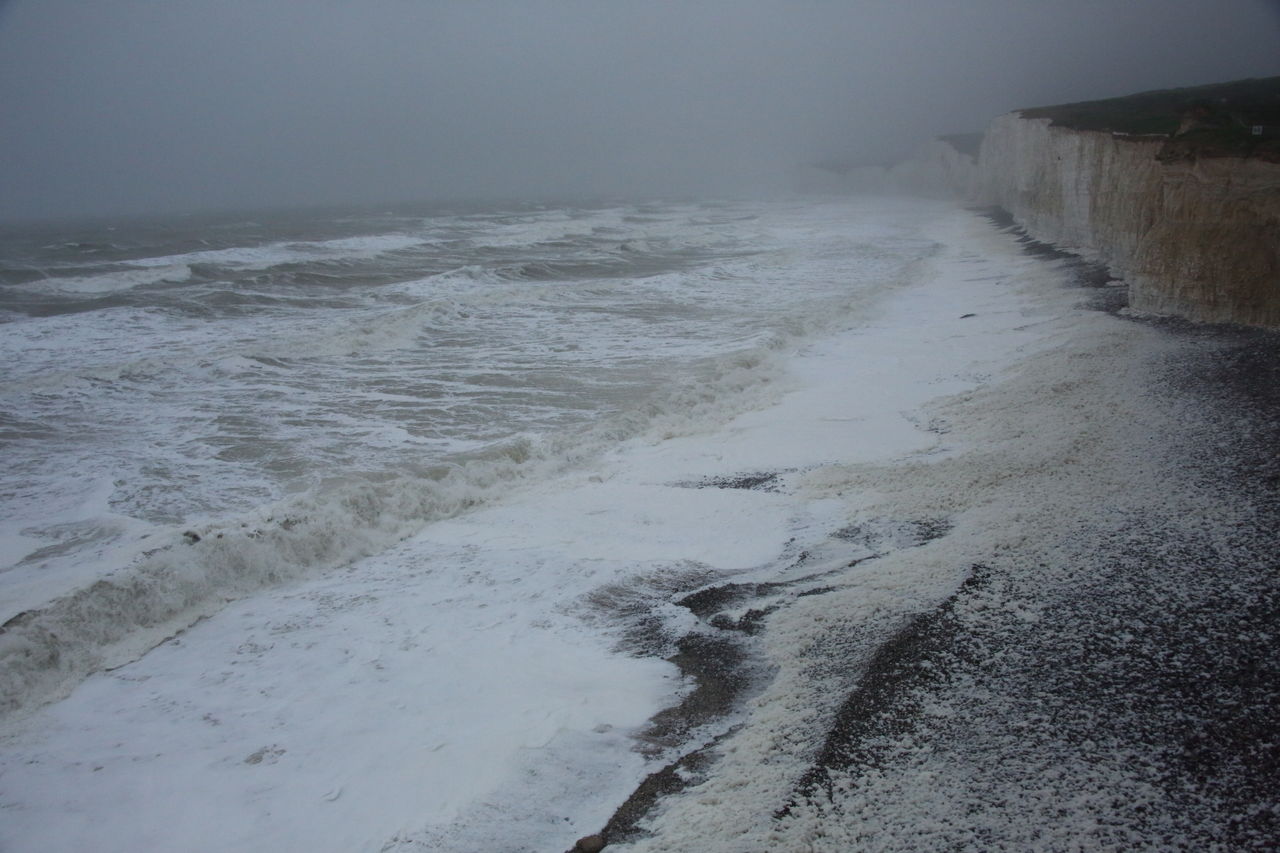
[(352, 375), (322, 529)]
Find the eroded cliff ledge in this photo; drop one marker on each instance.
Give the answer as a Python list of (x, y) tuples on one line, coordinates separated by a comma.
[(1189, 218)]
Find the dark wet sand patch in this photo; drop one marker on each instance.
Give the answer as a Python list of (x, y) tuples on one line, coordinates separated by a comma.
[(720, 656), (765, 481)]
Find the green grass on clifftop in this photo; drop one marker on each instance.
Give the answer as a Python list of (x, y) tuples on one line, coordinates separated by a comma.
[(1225, 114)]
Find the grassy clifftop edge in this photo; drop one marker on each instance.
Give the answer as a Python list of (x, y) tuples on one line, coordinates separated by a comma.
[(1240, 118)]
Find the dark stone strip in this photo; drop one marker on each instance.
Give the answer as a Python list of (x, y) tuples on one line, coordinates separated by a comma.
[(879, 705), (721, 661), (1108, 295), (764, 481)]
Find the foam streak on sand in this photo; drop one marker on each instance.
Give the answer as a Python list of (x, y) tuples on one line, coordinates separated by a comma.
[(489, 682)]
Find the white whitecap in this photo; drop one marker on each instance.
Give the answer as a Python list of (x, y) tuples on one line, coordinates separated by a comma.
[(271, 254), (114, 281)]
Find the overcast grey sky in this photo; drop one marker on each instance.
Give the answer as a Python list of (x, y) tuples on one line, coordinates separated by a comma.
[(148, 105)]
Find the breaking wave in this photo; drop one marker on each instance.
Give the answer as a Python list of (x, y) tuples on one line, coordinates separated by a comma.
[(231, 448)]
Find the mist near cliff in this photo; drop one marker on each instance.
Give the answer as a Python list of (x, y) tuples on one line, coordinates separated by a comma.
[(127, 106)]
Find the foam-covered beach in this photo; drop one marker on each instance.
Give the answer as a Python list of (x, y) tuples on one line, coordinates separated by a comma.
[(940, 553)]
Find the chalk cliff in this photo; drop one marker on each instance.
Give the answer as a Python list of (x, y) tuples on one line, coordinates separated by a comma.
[(1193, 236), (1177, 191)]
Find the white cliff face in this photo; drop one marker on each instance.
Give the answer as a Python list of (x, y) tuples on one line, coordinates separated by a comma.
[(1213, 248), (1061, 185), (1197, 238)]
